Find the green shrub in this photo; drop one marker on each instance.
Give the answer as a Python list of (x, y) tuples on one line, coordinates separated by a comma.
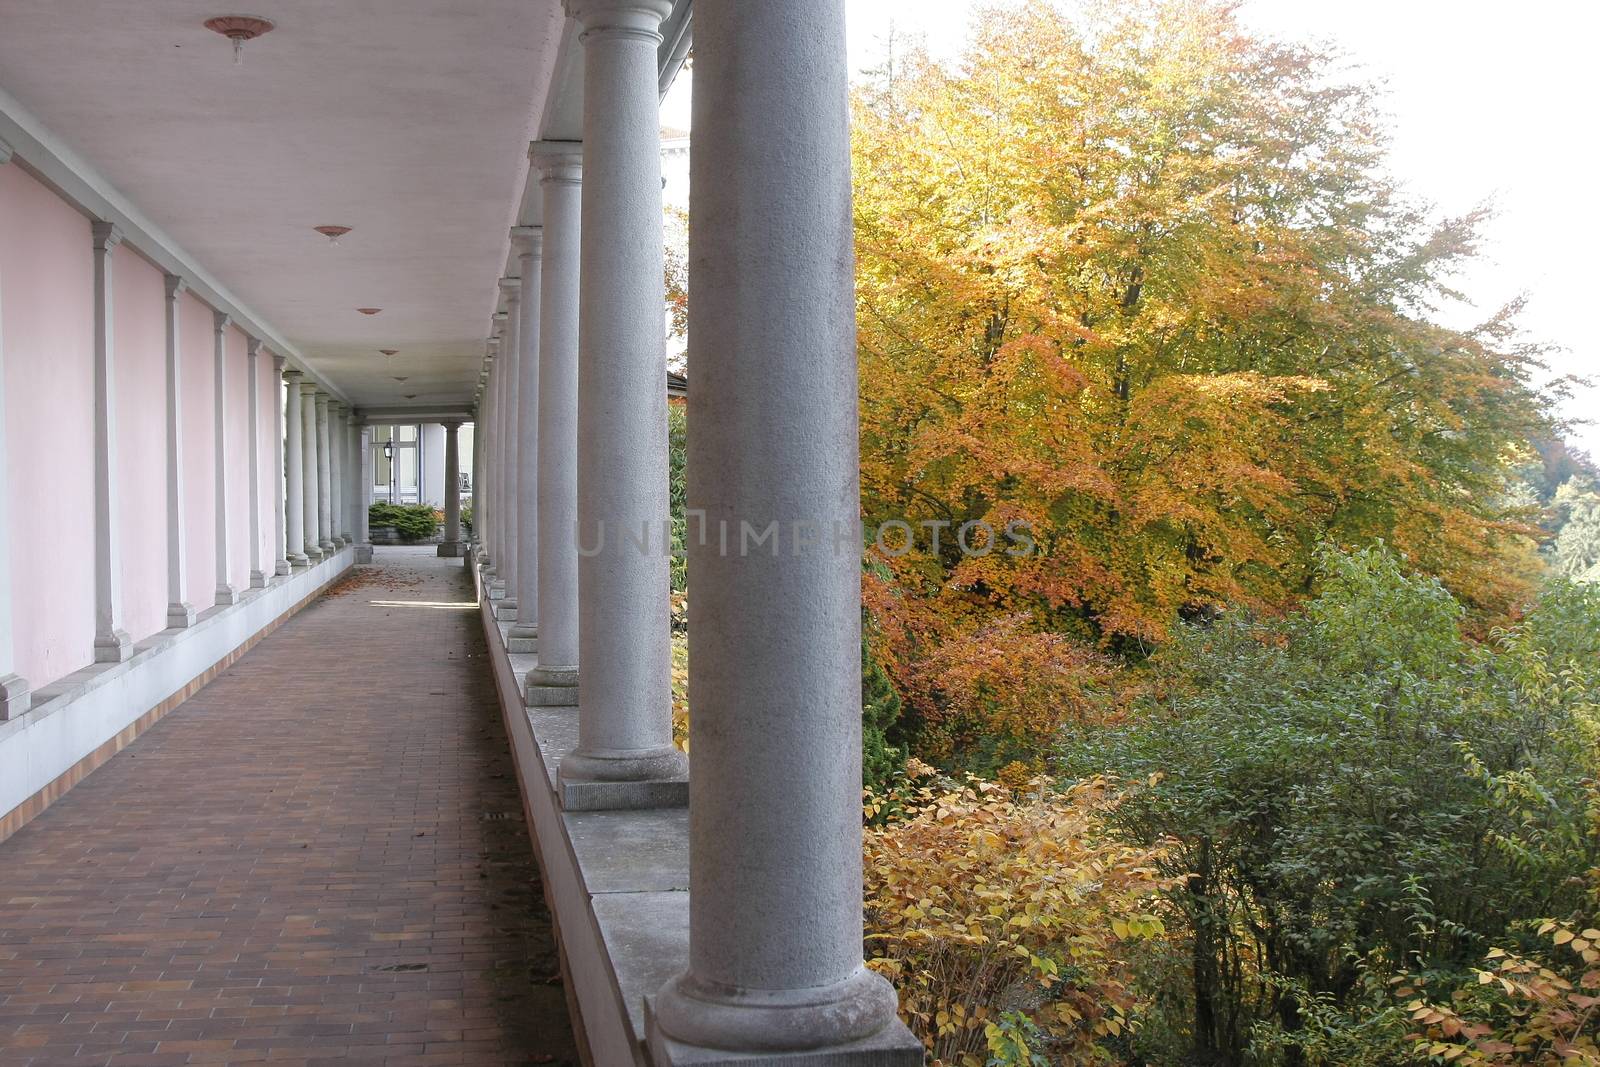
[(411, 522)]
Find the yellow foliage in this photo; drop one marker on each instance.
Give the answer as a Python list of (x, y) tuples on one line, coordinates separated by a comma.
[(983, 899)]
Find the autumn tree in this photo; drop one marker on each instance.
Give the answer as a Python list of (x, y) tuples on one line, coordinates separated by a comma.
[(1138, 279)]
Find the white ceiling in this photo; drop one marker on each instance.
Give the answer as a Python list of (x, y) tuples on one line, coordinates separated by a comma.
[(408, 120)]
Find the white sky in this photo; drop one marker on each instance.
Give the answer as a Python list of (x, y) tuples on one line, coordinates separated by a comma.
[(1488, 101)]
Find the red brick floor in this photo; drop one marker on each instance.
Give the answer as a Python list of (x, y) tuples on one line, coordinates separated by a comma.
[(320, 857)]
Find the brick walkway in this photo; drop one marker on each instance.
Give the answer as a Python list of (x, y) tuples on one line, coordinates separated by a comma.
[(320, 857)]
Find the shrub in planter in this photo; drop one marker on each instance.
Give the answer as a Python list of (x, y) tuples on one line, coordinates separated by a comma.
[(411, 522)]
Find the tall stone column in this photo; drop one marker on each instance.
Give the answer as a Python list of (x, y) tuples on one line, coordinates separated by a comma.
[(227, 592), (180, 613), (111, 643), (524, 635), (451, 545), (624, 699), (280, 524), (308, 477), (497, 447), (352, 494), (486, 520), (510, 349), (16, 696), (364, 451), (294, 497), (335, 472), (775, 925), (555, 680), (477, 469), (324, 478), (258, 571)]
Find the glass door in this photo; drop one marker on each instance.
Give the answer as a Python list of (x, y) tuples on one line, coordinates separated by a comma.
[(397, 464)]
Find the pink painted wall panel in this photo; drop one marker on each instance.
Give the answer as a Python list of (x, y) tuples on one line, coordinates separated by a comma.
[(199, 450), (239, 481), (47, 282), (268, 484), (140, 332)]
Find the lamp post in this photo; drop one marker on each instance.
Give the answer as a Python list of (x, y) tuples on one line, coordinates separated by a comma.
[(388, 454)]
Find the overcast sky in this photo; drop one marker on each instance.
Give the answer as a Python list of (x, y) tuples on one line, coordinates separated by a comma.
[(1488, 101)]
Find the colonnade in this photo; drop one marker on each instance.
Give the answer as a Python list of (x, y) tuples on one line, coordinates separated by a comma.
[(572, 490)]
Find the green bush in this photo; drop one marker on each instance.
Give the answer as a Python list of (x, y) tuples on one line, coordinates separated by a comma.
[(411, 522)]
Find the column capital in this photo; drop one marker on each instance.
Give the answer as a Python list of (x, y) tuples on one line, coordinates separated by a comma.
[(451, 425), (638, 19), (222, 320), (308, 389), (106, 235), (279, 361), (6, 153), (527, 241), (558, 162), (176, 284), (292, 375), (512, 288), (252, 346)]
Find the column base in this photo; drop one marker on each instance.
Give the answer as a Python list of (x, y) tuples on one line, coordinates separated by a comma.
[(313, 555), (258, 579), (522, 640), (623, 780), (505, 608), (227, 594), (180, 616), (849, 1024), (327, 546), (364, 553), (493, 587), (299, 559), (280, 568), (16, 696), (451, 549), (114, 647), (552, 687)]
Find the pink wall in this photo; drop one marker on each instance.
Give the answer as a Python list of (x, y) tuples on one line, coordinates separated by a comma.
[(139, 321), (268, 447), (47, 278), (199, 450)]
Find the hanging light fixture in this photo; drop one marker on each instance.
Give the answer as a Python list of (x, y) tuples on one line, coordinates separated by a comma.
[(332, 233), (369, 311), (239, 29), (387, 351)]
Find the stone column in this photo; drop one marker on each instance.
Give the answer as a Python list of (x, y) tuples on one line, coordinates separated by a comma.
[(497, 455), (554, 681), (180, 613), (624, 699), (506, 434), (111, 643), (485, 520), (364, 446), (775, 926), (294, 517), (477, 470), (451, 545), (227, 592), (258, 571), (16, 696), (352, 494), (335, 472), (280, 527), (324, 478), (524, 635), (308, 478)]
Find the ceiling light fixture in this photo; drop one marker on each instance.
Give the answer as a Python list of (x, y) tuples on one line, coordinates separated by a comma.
[(399, 379), (239, 29), (332, 233), (410, 396), (388, 351), (369, 311)]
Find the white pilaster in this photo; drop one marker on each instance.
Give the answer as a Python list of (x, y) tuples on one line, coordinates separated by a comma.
[(258, 572), (523, 638), (364, 447), (352, 466), (180, 613), (227, 592), (336, 505), (554, 681), (309, 467), (280, 528), (624, 698), (294, 496), (775, 901), (111, 643), (16, 696), (324, 477)]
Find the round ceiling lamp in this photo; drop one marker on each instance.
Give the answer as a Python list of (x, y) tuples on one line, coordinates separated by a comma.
[(239, 29), (369, 311), (388, 351), (332, 233)]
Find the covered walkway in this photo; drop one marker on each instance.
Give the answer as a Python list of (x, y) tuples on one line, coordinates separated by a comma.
[(320, 856)]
